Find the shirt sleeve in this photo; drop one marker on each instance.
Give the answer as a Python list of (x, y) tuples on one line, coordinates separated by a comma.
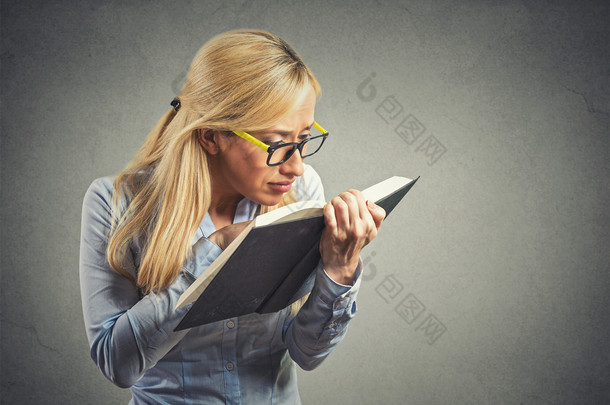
[(127, 335), (322, 321)]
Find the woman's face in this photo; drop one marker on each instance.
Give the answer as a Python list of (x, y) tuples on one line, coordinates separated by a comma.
[(240, 168)]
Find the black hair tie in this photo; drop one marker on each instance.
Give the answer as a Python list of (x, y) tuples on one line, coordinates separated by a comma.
[(176, 103)]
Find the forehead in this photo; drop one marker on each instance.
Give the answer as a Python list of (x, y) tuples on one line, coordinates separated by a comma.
[(302, 113)]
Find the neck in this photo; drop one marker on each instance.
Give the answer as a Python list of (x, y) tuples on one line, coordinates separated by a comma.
[(223, 202)]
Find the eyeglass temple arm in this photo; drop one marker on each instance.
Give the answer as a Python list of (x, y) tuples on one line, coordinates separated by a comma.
[(318, 127), (252, 139)]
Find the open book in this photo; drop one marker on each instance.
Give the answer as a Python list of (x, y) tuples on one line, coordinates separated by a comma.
[(266, 267)]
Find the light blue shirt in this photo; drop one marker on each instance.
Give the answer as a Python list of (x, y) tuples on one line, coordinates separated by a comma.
[(244, 360)]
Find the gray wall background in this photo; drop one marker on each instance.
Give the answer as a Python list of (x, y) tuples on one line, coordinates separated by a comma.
[(488, 284)]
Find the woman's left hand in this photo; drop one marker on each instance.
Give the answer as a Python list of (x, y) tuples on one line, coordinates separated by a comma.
[(351, 223)]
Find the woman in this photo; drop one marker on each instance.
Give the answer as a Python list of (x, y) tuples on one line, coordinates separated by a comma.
[(200, 175)]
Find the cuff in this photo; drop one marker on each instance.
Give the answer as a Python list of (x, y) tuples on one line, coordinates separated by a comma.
[(333, 293)]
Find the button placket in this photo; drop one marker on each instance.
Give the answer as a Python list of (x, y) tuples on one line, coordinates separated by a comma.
[(229, 354)]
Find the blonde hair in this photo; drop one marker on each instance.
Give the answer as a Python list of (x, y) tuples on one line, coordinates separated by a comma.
[(242, 79)]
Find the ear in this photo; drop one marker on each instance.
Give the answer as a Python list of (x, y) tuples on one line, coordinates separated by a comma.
[(208, 139)]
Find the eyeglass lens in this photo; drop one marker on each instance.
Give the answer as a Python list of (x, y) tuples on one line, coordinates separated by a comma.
[(307, 148)]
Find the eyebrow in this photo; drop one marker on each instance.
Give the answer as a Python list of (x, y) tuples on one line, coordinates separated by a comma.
[(287, 133)]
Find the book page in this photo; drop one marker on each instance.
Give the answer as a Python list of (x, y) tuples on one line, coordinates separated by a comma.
[(385, 188), (297, 210)]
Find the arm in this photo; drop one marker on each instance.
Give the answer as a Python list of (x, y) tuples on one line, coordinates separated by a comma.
[(322, 322), (127, 335)]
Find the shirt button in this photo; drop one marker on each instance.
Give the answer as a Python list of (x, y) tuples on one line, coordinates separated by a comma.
[(230, 324), (229, 366)]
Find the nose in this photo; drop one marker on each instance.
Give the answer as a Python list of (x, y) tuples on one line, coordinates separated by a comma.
[(293, 166)]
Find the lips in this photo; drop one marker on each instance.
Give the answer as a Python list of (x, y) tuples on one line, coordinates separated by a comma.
[(281, 186)]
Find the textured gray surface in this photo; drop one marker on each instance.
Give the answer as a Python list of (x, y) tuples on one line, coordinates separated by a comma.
[(489, 284)]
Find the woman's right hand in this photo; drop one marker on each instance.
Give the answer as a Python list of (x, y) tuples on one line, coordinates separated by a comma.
[(224, 236), (351, 223)]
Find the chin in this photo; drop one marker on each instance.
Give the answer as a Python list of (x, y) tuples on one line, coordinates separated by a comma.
[(270, 200)]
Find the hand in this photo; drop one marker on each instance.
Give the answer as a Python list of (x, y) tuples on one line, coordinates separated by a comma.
[(224, 236), (351, 223)]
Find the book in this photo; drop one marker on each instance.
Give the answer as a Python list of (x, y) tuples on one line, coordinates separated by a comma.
[(268, 266)]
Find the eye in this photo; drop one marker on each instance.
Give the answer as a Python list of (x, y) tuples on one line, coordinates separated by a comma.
[(274, 143)]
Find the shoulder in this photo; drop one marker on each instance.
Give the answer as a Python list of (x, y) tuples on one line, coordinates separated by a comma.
[(309, 185), (100, 188), (99, 195)]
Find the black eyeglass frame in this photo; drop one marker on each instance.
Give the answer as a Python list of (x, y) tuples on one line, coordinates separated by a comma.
[(295, 146)]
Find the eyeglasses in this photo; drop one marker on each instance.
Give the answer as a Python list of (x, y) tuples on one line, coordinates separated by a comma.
[(278, 154)]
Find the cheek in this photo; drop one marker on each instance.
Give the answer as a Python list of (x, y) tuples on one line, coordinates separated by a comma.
[(253, 158), (250, 166)]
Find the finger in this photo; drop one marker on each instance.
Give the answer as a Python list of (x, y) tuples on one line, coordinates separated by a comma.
[(353, 211), (377, 212), (329, 217), (366, 224), (363, 210), (341, 209)]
